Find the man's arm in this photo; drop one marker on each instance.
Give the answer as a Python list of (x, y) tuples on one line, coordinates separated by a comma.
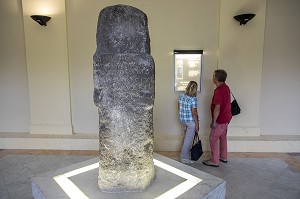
[(215, 116)]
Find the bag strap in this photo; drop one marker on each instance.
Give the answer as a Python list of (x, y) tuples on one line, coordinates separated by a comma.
[(232, 95), (196, 137)]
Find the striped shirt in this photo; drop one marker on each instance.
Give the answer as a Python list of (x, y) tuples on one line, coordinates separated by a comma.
[(186, 103)]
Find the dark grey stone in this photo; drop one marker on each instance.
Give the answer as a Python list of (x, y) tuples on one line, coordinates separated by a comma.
[(122, 29), (124, 94)]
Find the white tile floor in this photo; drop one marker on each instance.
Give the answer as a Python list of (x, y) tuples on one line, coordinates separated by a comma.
[(261, 178)]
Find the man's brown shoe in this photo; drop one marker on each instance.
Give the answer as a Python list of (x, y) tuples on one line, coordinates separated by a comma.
[(210, 163)]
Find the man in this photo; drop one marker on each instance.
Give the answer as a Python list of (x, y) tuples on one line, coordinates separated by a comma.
[(221, 116)]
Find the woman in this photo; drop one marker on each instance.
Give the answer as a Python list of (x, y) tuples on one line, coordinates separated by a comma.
[(187, 105)]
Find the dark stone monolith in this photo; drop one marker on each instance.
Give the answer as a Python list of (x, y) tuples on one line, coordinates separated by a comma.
[(124, 95)]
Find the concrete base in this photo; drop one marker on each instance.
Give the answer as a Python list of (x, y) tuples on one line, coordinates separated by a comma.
[(173, 180), (275, 143)]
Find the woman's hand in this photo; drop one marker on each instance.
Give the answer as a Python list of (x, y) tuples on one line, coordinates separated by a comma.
[(197, 128)]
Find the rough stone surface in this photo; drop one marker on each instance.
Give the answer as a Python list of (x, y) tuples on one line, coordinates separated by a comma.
[(122, 29), (124, 95)]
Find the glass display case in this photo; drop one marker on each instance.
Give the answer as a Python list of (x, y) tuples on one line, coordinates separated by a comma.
[(188, 67)]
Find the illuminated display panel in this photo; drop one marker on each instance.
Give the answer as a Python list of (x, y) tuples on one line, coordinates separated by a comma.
[(188, 67)]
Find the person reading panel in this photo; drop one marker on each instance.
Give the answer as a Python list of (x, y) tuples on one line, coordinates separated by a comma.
[(188, 114), (221, 116)]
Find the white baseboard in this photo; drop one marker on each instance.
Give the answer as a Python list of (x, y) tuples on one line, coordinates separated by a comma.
[(58, 129), (284, 144), (269, 143), (243, 131), (49, 142)]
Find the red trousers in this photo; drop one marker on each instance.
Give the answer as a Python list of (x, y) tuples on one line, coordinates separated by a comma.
[(218, 137)]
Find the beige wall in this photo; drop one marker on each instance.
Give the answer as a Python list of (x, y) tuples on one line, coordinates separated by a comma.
[(191, 24), (47, 67), (280, 110), (14, 96), (241, 55), (69, 40)]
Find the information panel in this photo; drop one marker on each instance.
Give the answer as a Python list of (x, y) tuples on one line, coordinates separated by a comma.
[(188, 67)]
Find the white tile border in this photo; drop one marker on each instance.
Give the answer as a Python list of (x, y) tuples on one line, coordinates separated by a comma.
[(74, 192)]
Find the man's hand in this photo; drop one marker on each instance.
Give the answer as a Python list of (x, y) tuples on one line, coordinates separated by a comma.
[(213, 125)]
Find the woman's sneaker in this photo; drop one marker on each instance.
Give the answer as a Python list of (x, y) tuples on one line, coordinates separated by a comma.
[(187, 161)]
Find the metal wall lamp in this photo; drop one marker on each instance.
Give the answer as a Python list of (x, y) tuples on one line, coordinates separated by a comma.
[(244, 18), (42, 20)]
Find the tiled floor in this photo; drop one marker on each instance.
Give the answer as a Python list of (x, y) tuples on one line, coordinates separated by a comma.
[(248, 175)]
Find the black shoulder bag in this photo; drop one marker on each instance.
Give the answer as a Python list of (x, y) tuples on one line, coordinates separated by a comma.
[(235, 108), (196, 150)]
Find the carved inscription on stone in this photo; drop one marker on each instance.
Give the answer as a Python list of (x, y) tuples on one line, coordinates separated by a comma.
[(124, 94)]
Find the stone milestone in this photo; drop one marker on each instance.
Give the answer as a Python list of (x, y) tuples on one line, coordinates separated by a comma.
[(124, 95)]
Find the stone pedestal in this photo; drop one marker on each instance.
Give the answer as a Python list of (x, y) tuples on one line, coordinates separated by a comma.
[(173, 180)]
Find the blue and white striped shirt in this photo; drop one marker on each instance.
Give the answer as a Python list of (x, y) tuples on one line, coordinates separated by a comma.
[(186, 103)]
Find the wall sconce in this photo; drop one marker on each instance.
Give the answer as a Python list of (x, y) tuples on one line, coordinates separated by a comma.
[(42, 20), (244, 18)]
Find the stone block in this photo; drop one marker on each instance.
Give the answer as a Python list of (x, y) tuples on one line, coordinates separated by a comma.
[(124, 94)]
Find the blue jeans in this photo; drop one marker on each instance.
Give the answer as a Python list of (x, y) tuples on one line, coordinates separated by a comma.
[(189, 133)]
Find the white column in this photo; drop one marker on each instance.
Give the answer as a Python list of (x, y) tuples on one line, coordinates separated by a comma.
[(47, 67), (241, 55)]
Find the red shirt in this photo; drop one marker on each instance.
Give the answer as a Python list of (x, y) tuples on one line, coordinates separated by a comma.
[(222, 97)]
